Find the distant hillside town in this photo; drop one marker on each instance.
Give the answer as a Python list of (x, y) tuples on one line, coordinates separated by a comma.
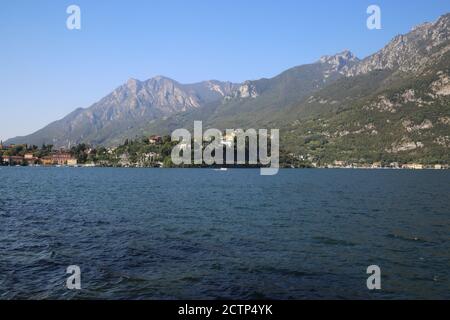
[(145, 153)]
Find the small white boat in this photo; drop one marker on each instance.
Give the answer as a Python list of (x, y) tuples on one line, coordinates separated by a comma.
[(221, 169)]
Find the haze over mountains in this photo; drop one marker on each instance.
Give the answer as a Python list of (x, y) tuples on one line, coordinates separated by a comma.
[(392, 105)]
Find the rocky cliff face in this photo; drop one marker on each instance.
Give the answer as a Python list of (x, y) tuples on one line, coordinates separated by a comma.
[(247, 90), (411, 52), (160, 95)]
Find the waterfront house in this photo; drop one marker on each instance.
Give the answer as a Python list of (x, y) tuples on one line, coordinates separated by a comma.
[(339, 164), (72, 162), (16, 160), (394, 165), (61, 158), (413, 166), (13, 160), (47, 161), (30, 159), (376, 165)]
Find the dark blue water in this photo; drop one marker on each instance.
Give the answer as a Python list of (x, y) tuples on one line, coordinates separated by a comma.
[(203, 234)]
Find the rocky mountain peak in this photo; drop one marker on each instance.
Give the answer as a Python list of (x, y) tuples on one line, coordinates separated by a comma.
[(339, 62), (132, 81), (339, 58), (160, 78)]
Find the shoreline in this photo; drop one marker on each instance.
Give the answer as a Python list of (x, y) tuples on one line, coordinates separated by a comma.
[(229, 168)]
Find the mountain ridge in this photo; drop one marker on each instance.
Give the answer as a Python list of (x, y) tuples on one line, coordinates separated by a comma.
[(145, 101)]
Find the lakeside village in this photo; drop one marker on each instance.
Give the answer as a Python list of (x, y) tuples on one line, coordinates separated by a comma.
[(155, 152)]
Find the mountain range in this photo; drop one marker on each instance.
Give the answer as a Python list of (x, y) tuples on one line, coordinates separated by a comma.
[(391, 106)]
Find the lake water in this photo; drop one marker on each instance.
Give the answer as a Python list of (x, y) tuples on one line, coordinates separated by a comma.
[(205, 234)]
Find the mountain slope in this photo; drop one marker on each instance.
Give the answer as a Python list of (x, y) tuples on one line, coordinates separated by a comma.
[(261, 99), (397, 112)]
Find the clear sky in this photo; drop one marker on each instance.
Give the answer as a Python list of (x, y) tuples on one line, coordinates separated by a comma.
[(48, 71)]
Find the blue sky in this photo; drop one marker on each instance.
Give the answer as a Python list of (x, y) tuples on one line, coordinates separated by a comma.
[(48, 71)]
